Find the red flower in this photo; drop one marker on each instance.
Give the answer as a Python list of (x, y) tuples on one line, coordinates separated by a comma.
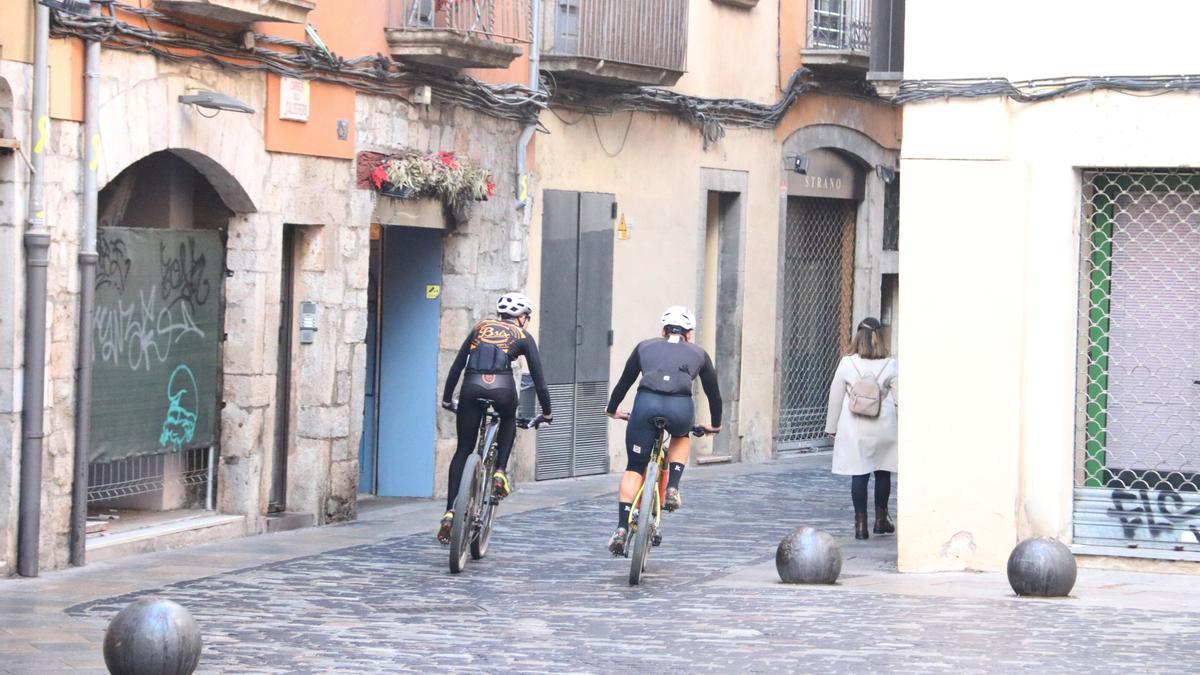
[(379, 177), (491, 188), (447, 159)]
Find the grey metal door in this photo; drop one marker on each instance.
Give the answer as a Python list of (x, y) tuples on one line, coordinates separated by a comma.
[(816, 307), (575, 333), (1138, 463)]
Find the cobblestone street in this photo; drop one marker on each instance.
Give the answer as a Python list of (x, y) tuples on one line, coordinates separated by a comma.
[(376, 596)]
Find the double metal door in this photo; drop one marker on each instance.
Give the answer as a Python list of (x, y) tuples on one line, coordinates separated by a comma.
[(575, 335)]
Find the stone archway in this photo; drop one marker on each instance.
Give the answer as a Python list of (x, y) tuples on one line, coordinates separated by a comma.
[(831, 264), (228, 149)]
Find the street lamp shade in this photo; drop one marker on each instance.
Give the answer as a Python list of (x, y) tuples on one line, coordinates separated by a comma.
[(69, 6), (215, 101)]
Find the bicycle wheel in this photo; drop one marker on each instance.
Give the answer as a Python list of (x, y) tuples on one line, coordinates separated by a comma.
[(489, 504), (464, 514), (646, 524)]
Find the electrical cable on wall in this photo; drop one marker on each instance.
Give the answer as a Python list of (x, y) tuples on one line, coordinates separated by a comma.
[(377, 74), (1034, 91)]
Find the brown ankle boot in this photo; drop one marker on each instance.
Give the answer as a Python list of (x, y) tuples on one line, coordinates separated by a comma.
[(883, 525), (860, 526)]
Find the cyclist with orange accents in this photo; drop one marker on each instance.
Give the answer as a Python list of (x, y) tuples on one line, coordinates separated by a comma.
[(487, 355)]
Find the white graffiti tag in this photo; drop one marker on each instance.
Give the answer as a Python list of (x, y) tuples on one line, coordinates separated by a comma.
[(142, 333)]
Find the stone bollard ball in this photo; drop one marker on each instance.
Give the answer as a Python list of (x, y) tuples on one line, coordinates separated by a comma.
[(152, 635), (1042, 568), (808, 556)]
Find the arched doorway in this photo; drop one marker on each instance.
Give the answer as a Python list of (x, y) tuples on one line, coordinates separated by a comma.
[(835, 268), (157, 373)]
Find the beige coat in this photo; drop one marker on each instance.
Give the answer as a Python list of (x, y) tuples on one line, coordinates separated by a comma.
[(862, 444)]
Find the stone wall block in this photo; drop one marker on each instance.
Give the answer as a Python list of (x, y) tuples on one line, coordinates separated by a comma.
[(308, 473), (241, 431), (322, 422), (251, 391), (461, 254), (454, 326)]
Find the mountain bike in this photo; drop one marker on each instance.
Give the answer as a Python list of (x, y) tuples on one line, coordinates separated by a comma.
[(645, 520), (476, 503)]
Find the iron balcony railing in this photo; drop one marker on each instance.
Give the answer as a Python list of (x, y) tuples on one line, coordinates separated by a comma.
[(650, 33), (841, 25), (498, 20)]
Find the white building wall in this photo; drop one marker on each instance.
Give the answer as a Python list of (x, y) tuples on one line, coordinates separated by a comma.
[(990, 212)]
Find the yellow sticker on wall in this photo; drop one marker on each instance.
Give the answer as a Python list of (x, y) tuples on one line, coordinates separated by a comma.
[(432, 291)]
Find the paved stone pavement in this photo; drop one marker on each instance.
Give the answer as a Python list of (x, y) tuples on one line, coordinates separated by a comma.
[(376, 596)]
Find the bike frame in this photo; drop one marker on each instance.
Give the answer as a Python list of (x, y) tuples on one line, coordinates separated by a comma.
[(657, 456)]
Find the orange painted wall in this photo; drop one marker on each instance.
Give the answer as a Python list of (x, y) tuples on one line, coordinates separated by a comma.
[(878, 120), (792, 15), (328, 103), (66, 79), (16, 30)]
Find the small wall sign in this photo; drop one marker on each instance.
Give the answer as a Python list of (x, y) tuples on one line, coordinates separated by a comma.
[(293, 99), (432, 291)]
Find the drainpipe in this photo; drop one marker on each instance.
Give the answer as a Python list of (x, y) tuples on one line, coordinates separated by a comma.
[(87, 299), (37, 248), (535, 61)]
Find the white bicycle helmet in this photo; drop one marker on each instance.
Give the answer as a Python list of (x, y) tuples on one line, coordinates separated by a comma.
[(514, 304), (679, 316)]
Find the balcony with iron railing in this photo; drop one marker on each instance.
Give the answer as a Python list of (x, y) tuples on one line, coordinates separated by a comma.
[(624, 42), (838, 36), (241, 12), (457, 34)]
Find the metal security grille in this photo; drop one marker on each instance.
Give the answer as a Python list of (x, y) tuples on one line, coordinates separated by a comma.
[(152, 473), (816, 304), (1137, 480), (555, 442), (576, 444)]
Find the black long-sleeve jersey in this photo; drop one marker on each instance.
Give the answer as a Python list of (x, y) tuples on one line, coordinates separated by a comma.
[(669, 368), (491, 347)]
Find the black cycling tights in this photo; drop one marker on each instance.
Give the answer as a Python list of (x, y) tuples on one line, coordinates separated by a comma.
[(883, 490), (469, 415)]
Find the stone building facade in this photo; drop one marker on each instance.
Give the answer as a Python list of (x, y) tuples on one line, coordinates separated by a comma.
[(266, 193)]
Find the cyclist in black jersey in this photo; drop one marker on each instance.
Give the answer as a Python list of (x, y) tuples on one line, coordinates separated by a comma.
[(487, 355), (668, 366)]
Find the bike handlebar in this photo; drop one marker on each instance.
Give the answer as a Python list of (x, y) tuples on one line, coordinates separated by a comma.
[(523, 422), (526, 423)]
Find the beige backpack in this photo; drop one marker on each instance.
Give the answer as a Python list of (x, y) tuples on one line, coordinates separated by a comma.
[(866, 393)]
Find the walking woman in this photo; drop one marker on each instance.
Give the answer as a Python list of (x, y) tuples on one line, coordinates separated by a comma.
[(862, 422)]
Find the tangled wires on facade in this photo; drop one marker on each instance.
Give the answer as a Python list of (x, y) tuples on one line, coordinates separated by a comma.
[(378, 74), (709, 115), (370, 74), (1034, 91)]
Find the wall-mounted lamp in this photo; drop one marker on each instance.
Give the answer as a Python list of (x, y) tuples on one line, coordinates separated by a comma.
[(69, 6), (800, 164), (886, 173), (215, 101)]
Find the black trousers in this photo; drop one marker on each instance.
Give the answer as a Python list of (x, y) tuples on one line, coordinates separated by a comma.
[(883, 490), (502, 391)]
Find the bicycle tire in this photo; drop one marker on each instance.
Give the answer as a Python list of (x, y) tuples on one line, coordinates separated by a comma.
[(464, 514), (488, 504), (641, 539)]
